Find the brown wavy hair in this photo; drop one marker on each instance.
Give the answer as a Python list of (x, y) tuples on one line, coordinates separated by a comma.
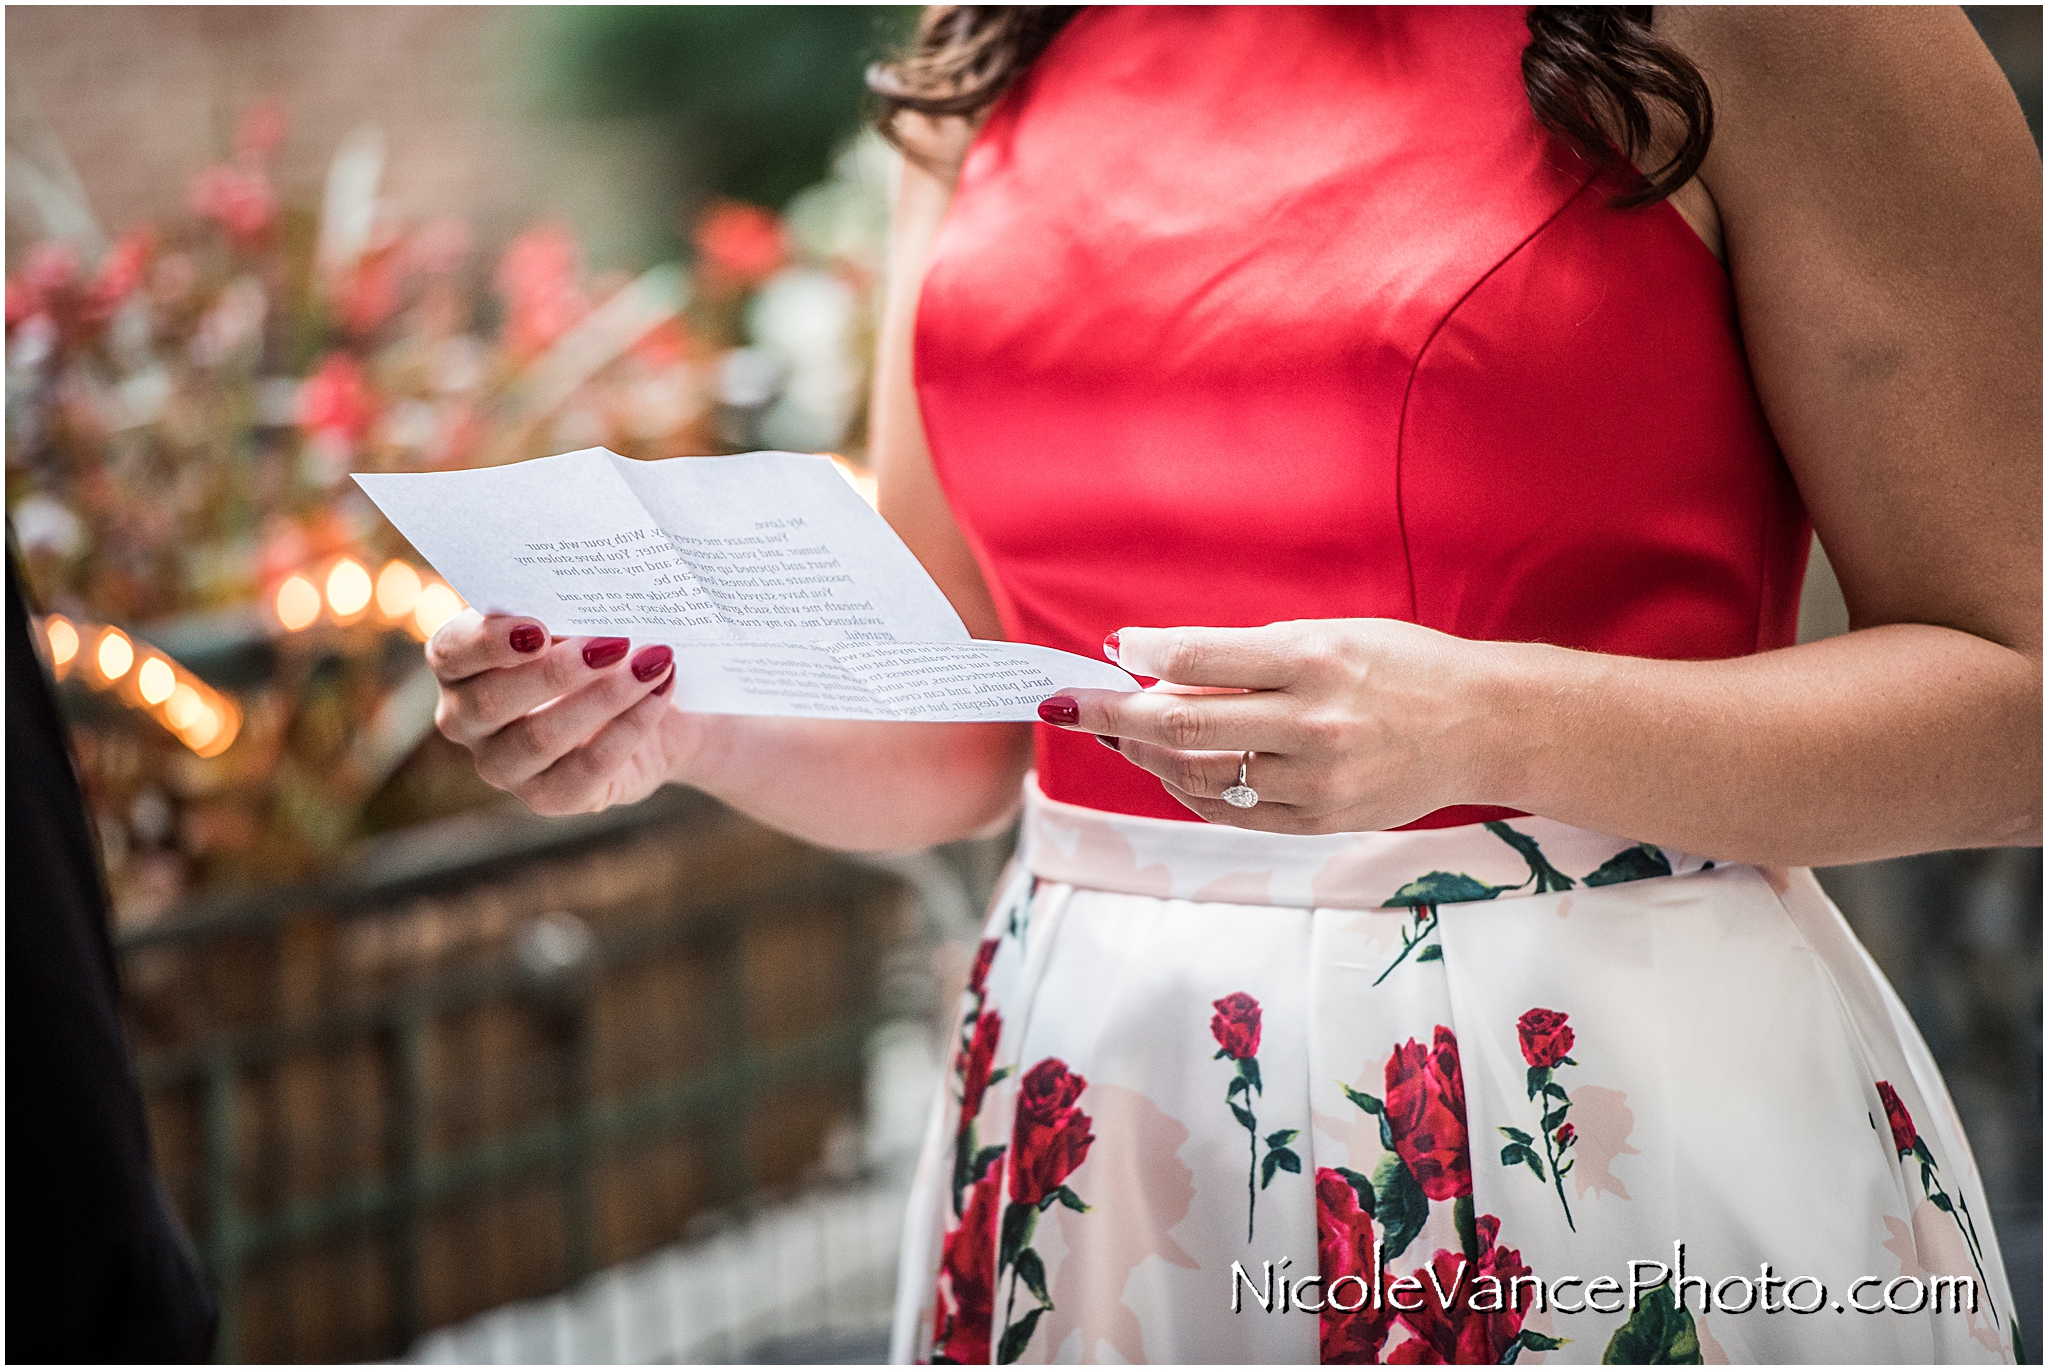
[(1594, 74)]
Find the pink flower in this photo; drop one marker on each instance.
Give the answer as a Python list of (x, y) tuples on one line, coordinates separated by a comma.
[(338, 399), (741, 243), (236, 198), (538, 278)]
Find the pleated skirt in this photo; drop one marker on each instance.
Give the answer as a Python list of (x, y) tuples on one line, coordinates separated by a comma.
[(1513, 1092)]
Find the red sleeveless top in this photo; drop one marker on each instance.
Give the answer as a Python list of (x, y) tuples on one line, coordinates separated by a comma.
[(1242, 315)]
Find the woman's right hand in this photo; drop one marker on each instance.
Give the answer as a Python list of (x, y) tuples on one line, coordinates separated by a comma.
[(570, 725)]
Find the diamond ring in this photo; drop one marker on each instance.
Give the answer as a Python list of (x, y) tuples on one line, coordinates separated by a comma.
[(1241, 795)]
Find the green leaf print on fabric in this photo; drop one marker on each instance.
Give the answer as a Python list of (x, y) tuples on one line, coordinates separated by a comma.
[(1401, 1208), (1360, 1185), (1018, 1336), (1443, 887), (1659, 1332), (1640, 862), (1548, 879), (1525, 1340)]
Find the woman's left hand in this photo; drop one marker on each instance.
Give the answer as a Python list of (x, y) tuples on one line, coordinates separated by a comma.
[(1353, 724)]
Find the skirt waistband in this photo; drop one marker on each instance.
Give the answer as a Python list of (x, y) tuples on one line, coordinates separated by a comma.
[(1126, 854)]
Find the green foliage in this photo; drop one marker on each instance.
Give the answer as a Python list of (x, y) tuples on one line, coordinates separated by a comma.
[(1659, 1332), (1401, 1208), (754, 99)]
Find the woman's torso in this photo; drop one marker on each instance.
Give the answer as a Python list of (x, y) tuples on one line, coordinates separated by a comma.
[(1242, 315)]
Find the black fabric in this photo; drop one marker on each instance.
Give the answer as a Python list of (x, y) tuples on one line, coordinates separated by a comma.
[(97, 1267)]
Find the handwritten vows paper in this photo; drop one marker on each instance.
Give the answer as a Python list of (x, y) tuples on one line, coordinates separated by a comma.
[(781, 591)]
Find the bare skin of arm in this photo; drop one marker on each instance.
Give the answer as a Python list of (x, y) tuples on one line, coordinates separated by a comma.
[(1877, 199), (567, 738)]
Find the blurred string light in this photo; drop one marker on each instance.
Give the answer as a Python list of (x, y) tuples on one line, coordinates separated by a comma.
[(398, 596), (145, 679)]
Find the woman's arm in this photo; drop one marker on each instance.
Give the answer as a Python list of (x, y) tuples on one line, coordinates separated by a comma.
[(570, 737), (1881, 205)]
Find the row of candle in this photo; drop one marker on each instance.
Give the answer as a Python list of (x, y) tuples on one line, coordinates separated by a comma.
[(345, 592), (144, 678)]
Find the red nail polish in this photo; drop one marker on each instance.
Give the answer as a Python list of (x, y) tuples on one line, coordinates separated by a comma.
[(1061, 710), (651, 662), (1115, 744), (1109, 646), (601, 652), (663, 688), (528, 638)]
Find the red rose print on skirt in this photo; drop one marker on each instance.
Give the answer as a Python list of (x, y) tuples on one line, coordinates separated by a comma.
[(1462, 1334), (1236, 1026), (1546, 1044), (1051, 1137), (1905, 1136), (1906, 1139), (1344, 1252), (1048, 1142), (1545, 1038), (967, 1279), (980, 1055), (1423, 1132), (1426, 1111)]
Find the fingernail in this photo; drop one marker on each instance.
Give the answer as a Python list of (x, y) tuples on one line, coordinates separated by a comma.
[(528, 638), (601, 652), (663, 688), (1109, 646), (1115, 744), (651, 662), (1061, 710)]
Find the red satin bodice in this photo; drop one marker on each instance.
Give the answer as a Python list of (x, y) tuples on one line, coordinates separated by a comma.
[(1242, 315)]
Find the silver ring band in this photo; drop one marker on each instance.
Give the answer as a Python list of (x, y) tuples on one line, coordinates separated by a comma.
[(1242, 795)]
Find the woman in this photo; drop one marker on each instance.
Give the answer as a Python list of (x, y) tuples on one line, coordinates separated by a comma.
[(1339, 370)]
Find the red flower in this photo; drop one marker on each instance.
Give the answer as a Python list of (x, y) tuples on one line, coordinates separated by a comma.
[(337, 399), (1565, 1135), (1459, 1335), (742, 243), (976, 1061), (977, 982), (1545, 1038), (238, 199), (967, 1272), (1904, 1135), (1344, 1247), (1426, 1111), (1051, 1136), (1236, 1026)]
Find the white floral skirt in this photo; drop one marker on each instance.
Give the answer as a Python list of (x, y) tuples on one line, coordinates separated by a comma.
[(1512, 1092)]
